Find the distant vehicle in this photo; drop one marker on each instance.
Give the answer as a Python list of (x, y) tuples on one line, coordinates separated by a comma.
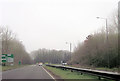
[(64, 63), (40, 64)]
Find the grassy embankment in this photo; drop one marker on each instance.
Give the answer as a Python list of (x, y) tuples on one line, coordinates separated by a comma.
[(108, 69), (67, 74), (95, 68), (98, 68), (5, 68)]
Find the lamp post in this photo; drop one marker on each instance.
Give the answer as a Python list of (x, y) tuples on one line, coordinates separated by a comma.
[(70, 47), (107, 42), (106, 27)]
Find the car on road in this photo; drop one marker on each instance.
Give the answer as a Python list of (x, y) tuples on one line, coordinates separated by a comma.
[(64, 64), (40, 64)]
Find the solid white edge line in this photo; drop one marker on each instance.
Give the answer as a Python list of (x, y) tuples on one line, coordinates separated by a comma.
[(49, 73)]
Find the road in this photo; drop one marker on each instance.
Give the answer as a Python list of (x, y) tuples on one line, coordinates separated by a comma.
[(27, 72)]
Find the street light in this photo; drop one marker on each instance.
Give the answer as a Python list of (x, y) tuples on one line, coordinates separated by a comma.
[(106, 26), (70, 45), (106, 37), (70, 48)]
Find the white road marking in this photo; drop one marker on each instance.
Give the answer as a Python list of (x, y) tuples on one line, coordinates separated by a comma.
[(49, 73)]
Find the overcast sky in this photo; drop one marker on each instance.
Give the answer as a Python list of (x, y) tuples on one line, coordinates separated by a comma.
[(51, 23)]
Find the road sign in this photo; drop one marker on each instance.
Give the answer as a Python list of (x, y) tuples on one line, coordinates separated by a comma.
[(4, 59), (10, 58), (19, 62), (7, 58)]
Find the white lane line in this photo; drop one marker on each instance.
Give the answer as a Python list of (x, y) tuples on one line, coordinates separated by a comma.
[(49, 73)]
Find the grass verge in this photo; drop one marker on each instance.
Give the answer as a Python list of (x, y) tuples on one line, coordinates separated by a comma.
[(107, 69), (5, 68), (99, 68), (67, 74)]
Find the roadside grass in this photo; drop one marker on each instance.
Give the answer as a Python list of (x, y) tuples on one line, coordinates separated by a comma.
[(67, 74), (0, 68), (5, 68), (107, 69), (97, 68)]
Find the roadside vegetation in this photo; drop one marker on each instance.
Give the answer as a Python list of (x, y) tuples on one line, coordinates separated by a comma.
[(97, 50), (10, 44), (67, 74), (97, 68), (5, 68), (50, 56)]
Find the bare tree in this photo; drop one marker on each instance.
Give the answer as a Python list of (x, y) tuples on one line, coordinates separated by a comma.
[(7, 36), (93, 51), (11, 45)]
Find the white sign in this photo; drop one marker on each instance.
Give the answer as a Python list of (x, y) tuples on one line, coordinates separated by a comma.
[(9, 59), (3, 55), (8, 54)]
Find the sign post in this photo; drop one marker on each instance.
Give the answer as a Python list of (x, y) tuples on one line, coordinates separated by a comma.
[(7, 58)]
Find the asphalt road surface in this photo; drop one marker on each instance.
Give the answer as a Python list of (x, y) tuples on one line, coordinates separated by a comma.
[(27, 72)]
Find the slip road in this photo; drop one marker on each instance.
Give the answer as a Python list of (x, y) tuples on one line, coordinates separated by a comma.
[(27, 72)]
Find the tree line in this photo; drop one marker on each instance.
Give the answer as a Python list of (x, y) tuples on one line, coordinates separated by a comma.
[(50, 56), (11, 45), (97, 50)]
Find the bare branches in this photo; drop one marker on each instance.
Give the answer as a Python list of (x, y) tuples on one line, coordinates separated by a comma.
[(10, 45), (7, 34), (94, 50), (50, 56)]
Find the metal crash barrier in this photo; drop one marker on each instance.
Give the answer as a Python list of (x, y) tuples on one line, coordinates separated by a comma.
[(100, 74)]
